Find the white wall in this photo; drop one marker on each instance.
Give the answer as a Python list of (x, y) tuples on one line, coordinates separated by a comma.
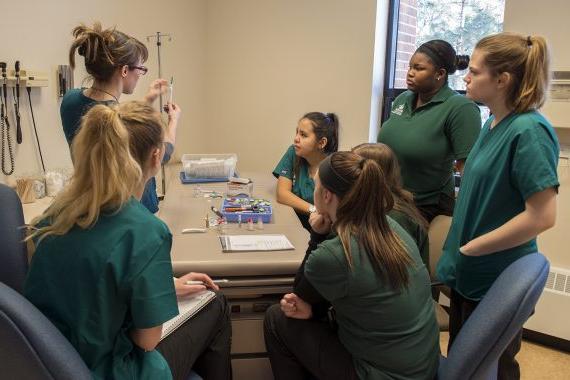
[(245, 71), (548, 18), (269, 62)]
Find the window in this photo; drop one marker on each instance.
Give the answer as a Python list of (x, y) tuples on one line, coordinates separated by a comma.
[(412, 22)]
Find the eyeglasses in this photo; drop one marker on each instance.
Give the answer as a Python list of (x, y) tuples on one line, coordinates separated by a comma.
[(143, 69)]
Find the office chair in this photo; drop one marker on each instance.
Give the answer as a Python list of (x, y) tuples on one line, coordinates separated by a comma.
[(495, 321), (437, 233), (13, 254), (31, 347)]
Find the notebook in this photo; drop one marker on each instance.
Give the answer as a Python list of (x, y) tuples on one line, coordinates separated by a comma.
[(187, 307), (245, 243)]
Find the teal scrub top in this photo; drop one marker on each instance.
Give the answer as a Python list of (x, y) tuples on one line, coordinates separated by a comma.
[(303, 184), (97, 284), (509, 163), (390, 334), (429, 138), (73, 106)]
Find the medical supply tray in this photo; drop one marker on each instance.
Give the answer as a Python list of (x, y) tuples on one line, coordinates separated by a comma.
[(254, 208)]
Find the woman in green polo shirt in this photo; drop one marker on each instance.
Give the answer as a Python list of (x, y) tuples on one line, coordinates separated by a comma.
[(101, 271), (372, 274), (508, 192), (431, 127), (316, 137)]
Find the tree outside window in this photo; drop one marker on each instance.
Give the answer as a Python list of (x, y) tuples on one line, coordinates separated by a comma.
[(460, 22)]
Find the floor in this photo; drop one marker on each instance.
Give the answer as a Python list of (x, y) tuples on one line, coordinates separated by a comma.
[(537, 362)]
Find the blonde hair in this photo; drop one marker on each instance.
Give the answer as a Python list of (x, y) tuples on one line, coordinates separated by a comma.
[(364, 218), (109, 153), (527, 60), (105, 50)]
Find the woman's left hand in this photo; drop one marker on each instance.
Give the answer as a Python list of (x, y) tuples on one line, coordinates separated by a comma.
[(157, 87), (468, 250)]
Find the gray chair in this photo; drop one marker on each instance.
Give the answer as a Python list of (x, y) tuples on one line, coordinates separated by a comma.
[(437, 233), (13, 254), (31, 347), (495, 321)]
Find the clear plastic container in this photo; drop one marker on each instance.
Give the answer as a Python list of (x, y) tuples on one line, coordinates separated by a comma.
[(209, 165)]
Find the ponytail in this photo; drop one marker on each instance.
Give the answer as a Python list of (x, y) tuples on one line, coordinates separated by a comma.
[(527, 60), (387, 160), (364, 217), (107, 169), (536, 78)]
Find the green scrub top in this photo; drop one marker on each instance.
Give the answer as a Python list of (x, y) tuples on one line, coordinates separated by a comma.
[(508, 164), (303, 184), (97, 284), (390, 334), (428, 139)]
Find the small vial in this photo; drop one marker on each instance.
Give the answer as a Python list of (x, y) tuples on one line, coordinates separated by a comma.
[(250, 225), (259, 223), (239, 220)]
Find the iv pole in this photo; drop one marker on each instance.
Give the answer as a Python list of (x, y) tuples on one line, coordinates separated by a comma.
[(158, 37)]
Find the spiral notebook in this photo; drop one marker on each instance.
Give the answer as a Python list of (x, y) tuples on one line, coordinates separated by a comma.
[(187, 308)]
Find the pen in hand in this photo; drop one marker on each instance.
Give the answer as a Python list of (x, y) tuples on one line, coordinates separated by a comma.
[(217, 282)]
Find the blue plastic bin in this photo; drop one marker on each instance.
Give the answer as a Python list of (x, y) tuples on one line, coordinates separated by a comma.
[(233, 217)]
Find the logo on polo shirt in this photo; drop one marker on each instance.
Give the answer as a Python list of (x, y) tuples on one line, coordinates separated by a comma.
[(398, 110)]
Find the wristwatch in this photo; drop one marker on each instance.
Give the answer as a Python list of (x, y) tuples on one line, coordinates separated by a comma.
[(312, 209)]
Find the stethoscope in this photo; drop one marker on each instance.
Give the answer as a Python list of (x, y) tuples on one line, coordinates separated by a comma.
[(5, 124)]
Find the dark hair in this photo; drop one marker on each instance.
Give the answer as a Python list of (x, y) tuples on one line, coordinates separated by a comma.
[(325, 125), (527, 59), (105, 50), (443, 56), (361, 214), (386, 158)]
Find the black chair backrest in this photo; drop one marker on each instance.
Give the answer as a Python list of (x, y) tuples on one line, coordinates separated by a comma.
[(31, 347), (13, 255)]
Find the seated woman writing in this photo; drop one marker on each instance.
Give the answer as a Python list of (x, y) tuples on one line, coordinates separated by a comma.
[(101, 271)]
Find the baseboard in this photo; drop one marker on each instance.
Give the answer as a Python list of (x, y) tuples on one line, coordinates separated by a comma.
[(547, 340)]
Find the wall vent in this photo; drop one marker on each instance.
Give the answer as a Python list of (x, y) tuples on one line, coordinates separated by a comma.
[(558, 281)]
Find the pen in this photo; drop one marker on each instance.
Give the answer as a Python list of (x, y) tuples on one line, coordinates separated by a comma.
[(216, 211), (217, 282)]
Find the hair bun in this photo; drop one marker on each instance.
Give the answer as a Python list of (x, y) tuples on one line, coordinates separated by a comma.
[(462, 62)]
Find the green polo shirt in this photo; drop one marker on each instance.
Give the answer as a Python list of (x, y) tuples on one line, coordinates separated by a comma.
[(97, 284), (390, 334), (508, 164), (428, 139), (303, 184), (415, 231)]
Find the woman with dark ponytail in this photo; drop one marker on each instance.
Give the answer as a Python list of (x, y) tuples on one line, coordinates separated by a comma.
[(316, 137), (431, 127), (371, 273), (508, 193)]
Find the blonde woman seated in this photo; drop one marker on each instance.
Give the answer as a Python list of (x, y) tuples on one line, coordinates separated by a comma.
[(102, 272)]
